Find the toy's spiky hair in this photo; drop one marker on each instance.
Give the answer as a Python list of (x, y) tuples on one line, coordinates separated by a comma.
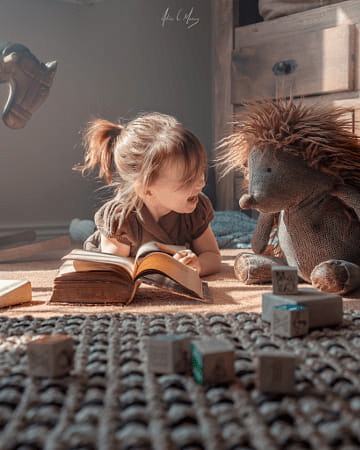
[(320, 134)]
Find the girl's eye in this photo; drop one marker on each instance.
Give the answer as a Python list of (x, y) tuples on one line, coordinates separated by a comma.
[(268, 169)]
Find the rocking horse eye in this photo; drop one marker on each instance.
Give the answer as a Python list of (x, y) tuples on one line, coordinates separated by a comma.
[(268, 169)]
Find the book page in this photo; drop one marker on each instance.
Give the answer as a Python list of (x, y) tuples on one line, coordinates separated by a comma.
[(152, 247), (68, 273), (98, 267), (163, 282), (88, 260), (167, 265)]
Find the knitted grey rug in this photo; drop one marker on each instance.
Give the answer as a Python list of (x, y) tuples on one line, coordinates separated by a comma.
[(111, 401)]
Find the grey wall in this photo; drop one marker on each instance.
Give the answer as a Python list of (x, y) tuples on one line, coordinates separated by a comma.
[(115, 59)]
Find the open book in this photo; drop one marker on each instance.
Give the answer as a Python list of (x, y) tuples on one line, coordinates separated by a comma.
[(95, 277)]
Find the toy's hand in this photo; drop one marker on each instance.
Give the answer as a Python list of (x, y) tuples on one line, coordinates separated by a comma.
[(262, 232), (188, 258)]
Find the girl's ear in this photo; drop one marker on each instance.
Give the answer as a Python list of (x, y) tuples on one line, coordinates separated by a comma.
[(142, 190)]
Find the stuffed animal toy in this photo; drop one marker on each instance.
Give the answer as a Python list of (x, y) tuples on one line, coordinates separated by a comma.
[(302, 166)]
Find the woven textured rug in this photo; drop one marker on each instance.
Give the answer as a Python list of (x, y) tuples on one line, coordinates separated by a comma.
[(111, 401)]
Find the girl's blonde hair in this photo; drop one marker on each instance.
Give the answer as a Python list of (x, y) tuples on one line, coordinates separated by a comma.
[(131, 156)]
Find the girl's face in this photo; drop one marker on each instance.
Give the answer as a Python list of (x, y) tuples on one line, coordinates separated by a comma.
[(169, 193)]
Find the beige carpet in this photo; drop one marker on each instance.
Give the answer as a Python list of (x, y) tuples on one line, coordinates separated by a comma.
[(228, 293)]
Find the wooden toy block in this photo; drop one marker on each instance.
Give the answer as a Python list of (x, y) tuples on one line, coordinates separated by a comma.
[(290, 320), (284, 279), (324, 309), (50, 355), (212, 361), (169, 354), (275, 372)]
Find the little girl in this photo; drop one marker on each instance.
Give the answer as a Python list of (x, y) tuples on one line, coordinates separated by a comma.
[(157, 168)]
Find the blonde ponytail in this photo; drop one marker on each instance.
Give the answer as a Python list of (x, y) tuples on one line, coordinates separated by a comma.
[(100, 139)]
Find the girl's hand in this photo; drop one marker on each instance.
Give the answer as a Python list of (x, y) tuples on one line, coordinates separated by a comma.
[(188, 258)]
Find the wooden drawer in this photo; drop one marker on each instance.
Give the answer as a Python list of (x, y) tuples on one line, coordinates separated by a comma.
[(303, 63)]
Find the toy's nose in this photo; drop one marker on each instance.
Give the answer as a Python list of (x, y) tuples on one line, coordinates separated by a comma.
[(247, 201)]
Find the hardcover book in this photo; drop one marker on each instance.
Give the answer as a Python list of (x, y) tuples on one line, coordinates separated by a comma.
[(13, 292), (96, 277)]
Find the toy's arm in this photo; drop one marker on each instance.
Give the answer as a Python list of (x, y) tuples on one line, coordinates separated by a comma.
[(262, 232), (350, 197)]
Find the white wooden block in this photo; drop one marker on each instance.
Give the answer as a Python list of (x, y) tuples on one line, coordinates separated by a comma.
[(325, 309), (51, 355), (275, 372), (169, 354), (290, 320), (284, 279), (212, 361)]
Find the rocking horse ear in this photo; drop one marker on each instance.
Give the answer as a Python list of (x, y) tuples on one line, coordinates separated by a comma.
[(29, 80)]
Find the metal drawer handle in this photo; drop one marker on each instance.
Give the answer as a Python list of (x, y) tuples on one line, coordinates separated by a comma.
[(284, 67)]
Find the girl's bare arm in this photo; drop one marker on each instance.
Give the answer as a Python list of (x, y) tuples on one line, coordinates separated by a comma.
[(109, 245), (206, 261), (208, 253)]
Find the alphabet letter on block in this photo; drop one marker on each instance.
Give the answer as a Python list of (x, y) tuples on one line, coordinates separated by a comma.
[(50, 355), (284, 280), (212, 361), (290, 320), (275, 372), (169, 354)]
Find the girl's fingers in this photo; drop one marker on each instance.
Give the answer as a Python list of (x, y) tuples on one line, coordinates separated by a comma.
[(188, 258), (184, 254)]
